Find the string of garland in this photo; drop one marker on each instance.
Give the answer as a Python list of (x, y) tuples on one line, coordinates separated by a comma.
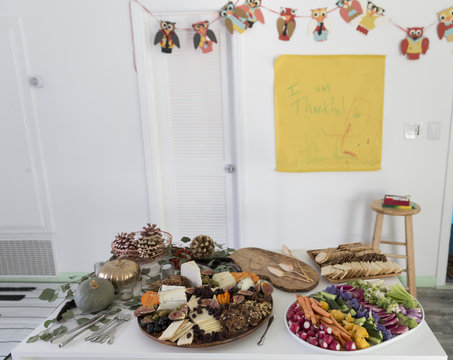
[(364, 17)]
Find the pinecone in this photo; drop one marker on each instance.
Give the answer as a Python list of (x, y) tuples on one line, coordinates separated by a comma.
[(233, 321), (150, 246), (124, 241), (149, 230), (202, 247)]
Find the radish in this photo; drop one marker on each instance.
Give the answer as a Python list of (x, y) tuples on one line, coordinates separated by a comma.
[(323, 344), (313, 341), (334, 345), (322, 327), (321, 334), (294, 327), (328, 338), (307, 325), (303, 335), (350, 346), (311, 333), (329, 330), (289, 315), (314, 328)]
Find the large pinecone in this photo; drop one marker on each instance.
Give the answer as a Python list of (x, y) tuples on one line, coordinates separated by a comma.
[(202, 247), (233, 321), (151, 246)]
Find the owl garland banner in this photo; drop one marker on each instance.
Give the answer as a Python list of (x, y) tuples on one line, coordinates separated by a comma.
[(415, 43), (363, 15), (445, 26)]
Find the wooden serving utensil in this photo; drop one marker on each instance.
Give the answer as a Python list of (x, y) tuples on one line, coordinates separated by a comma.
[(287, 252), (279, 273)]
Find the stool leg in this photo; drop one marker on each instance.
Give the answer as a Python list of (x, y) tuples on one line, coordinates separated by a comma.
[(410, 255), (378, 231)]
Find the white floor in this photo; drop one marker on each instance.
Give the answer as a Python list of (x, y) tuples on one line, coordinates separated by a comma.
[(19, 318)]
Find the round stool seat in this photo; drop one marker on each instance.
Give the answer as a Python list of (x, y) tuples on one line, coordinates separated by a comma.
[(376, 205)]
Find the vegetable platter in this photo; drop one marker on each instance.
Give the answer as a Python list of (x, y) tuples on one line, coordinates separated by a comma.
[(353, 318), (216, 308)]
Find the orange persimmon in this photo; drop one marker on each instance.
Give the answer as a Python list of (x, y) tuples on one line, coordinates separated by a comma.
[(150, 298), (238, 276)]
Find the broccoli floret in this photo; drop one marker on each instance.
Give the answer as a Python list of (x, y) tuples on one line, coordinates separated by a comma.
[(404, 320), (383, 302), (410, 303), (393, 308)]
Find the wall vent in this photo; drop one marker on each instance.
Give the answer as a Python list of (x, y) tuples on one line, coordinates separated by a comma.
[(27, 258)]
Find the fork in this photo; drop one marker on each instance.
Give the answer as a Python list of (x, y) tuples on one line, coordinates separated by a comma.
[(124, 318), (106, 330)]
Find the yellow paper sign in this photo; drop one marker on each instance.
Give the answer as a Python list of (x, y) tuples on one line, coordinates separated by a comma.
[(328, 112)]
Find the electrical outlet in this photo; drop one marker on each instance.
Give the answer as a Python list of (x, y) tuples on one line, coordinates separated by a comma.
[(413, 130)]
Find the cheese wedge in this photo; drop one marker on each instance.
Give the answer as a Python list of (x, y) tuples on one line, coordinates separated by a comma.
[(171, 297), (192, 272), (171, 330)]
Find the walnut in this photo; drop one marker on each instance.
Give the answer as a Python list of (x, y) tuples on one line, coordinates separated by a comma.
[(233, 321)]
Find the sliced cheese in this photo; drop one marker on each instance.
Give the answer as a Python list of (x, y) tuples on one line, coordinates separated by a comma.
[(192, 272)]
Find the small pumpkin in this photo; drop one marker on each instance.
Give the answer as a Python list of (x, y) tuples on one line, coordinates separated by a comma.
[(94, 295), (150, 298)]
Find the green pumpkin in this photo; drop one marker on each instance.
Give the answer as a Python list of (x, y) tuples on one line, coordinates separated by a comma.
[(94, 295)]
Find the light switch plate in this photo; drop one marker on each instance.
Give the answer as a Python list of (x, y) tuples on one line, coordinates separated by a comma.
[(413, 130), (434, 129)]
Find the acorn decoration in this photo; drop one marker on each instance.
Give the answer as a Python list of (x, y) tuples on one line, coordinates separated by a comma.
[(202, 247)]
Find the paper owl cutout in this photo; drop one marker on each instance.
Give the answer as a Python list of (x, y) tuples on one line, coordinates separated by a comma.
[(349, 9), (166, 37), (253, 11), (373, 17), (204, 37), (286, 23), (235, 18), (415, 43), (445, 27), (319, 25)]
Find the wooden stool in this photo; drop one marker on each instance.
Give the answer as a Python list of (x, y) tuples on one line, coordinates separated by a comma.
[(376, 205)]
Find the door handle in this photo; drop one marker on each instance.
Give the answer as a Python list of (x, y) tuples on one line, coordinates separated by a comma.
[(229, 168)]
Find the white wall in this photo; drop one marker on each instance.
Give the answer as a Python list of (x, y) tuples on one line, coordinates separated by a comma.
[(88, 115)]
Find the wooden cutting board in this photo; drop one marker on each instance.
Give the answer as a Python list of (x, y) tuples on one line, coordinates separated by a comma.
[(256, 260)]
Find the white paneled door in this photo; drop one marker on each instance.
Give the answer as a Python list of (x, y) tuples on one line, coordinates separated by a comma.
[(192, 122)]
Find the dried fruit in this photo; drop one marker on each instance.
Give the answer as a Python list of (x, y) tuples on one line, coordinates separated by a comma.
[(176, 315)]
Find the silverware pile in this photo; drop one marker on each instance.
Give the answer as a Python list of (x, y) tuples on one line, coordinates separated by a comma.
[(73, 333), (108, 330)]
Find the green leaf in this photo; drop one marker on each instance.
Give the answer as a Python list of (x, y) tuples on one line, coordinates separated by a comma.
[(47, 294), (82, 321), (94, 327), (231, 249), (60, 330), (113, 311), (145, 271), (65, 287), (162, 262), (45, 336), (69, 295), (48, 322), (105, 320), (53, 298), (185, 239), (33, 339), (68, 315)]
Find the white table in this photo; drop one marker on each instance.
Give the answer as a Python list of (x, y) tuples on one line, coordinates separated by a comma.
[(131, 343)]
